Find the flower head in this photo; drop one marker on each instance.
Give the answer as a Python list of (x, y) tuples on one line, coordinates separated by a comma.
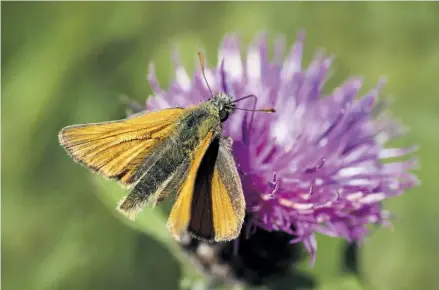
[(317, 164)]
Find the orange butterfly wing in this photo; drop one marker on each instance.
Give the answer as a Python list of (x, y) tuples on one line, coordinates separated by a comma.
[(228, 202), (117, 149)]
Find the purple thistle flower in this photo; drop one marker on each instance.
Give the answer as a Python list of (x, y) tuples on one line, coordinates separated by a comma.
[(316, 165)]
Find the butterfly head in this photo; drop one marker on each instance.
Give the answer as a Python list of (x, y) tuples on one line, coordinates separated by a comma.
[(222, 104)]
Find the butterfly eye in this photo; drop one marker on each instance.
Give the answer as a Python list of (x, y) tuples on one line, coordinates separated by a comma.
[(223, 114)]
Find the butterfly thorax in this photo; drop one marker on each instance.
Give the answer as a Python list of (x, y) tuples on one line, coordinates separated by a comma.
[(197, 122)]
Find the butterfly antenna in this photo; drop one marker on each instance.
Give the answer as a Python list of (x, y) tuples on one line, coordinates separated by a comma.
[(201, 58), (269, 110), (246, 97)]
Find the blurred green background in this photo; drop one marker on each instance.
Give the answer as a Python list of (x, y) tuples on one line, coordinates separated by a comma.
[(66, 63)]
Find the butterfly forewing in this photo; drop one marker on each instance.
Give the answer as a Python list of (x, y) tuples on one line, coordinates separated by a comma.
[(180, 214), (117, 149)]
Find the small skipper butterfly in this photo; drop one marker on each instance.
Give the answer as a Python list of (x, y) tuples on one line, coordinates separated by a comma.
[(176, 150)]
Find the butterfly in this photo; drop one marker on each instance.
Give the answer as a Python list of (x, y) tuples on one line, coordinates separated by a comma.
[(178, 151)]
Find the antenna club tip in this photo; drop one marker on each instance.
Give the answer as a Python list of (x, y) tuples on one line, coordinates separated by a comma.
[(271, 110)]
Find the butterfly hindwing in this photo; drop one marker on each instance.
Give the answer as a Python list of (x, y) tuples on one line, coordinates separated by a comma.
[(164, 171)]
